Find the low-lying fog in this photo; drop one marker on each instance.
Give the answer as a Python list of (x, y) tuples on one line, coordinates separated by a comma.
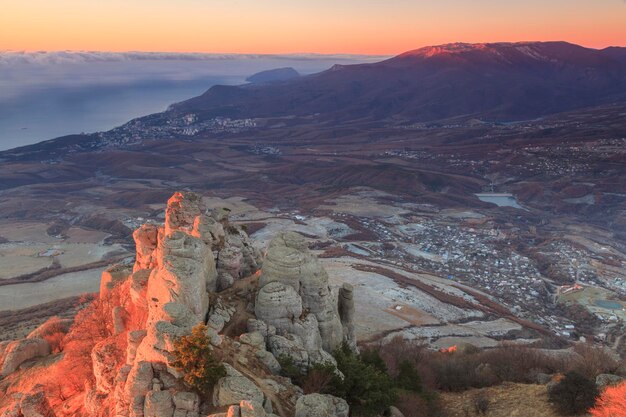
[(44, 95)]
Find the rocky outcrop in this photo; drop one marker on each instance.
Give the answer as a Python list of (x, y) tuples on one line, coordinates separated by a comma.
[(346, 313), (50, 327), (605, 380), (146, 239), (138, 380), (187, 404), (319, 405), (177, 267), (174, 284), (278, 304), (31, 404), (104, 357), (296, 299), (112, 276), (233, 389), (15, 353), (244, 409), (394, 412), (291, 346)]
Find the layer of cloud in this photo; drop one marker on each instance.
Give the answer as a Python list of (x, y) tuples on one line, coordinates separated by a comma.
[(77, 57)]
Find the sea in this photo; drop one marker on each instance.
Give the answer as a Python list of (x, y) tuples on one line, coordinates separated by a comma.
[(44, 95)]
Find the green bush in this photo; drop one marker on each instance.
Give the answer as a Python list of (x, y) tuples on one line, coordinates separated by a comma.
[(319, 377), (372, 357), (194, 358), (365, 386), (408, 377), (574, 394), (289, 369)]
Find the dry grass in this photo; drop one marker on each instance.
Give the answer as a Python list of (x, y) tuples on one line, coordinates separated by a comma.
[(506, 400)]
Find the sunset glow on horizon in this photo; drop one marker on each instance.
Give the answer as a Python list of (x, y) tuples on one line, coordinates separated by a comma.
[(324, 26)]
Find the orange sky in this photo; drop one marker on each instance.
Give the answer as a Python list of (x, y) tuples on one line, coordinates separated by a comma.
[(323, 26)]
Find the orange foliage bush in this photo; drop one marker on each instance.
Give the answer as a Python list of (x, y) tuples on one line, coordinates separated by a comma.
[(92, 324), (53, 331), (611, 403), (451, 349), (55, 340)]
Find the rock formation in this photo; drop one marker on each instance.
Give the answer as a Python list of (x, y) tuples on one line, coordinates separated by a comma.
[(13, 354), (31, 404), (179, 267), (318, 405), (310, 320), (346, 313)]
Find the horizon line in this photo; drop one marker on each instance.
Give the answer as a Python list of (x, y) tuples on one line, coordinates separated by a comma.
[(301, 52)]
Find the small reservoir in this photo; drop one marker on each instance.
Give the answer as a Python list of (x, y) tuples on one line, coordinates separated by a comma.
[(608, 304), (499, 199)]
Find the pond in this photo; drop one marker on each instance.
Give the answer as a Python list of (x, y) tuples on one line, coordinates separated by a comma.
[(501, 200), (608, 304)]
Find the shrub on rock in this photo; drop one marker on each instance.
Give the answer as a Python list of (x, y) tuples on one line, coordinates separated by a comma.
[(194, 358)]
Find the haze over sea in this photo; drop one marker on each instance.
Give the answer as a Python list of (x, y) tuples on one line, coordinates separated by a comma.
[(44, 95)]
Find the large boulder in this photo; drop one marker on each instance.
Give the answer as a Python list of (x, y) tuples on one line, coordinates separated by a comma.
[(105, 357), (346, 313), (50, 327), (139, 381), (278, 304), (251, 409), (269, 360), (230, 260), (211, 231), (308, 330), (240, 258), (605, 380), (35, 404), (146, 239), (183, 208), (290, 346), (138, 288), (158, 404), (394, 412), (17, 352), (231, 390), (112, 276), (319, 405), (284, 259), (133, 339), (187, 401)]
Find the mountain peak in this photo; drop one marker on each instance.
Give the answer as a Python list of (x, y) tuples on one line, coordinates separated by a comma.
[(445, 49), (509, 54), (530, 49)]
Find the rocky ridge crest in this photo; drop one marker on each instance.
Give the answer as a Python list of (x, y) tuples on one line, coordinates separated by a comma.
[(198, 268)]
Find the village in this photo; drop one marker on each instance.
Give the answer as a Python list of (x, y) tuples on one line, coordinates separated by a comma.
[(470, 249)]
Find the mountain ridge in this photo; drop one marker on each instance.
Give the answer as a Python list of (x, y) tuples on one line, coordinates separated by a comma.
[(503, 82)]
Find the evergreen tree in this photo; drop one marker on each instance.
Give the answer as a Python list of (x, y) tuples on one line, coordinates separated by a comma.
[(408, 377), (365, 386)]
